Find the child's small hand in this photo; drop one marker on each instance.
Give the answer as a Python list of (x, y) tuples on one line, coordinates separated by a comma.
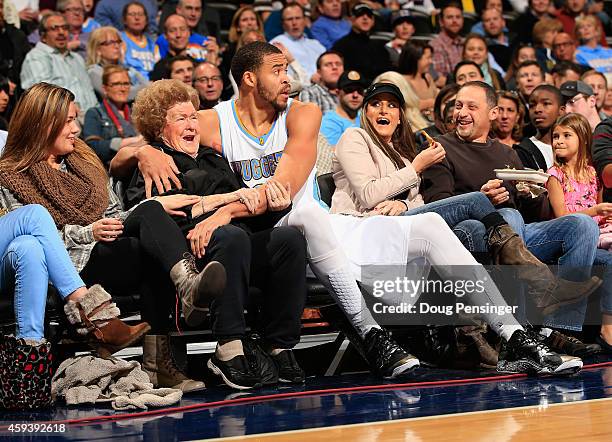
[(604, 209)]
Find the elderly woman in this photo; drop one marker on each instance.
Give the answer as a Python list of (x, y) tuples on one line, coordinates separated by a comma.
[(252, 252), (108, 126), (141, 249), (508, 128), (105, 48), (376, 171)]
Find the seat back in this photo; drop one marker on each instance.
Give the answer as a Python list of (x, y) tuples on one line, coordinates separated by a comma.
[(326, 187)]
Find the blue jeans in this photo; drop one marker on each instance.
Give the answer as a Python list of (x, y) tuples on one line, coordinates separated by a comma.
[(458, 208), (604, 258), (32, 254), (569, 241)]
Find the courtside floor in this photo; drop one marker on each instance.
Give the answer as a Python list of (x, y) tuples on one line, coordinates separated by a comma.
[(431, 404)]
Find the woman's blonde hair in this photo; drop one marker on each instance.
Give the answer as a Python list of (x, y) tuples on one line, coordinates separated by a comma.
[(242, 41), (111, 69), (402, 145), (93, 44), (39, 118), (580, 125), (411, 108), (542, 27), (234, 34), (153, 102), (585, 19)]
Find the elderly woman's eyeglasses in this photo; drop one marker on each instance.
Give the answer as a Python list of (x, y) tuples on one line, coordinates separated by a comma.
[(110, 42)]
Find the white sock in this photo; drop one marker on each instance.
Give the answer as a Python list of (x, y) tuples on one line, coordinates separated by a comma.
[(545, 331), (506, 331)]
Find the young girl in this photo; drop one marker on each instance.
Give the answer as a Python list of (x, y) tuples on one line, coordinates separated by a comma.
[(574, 188)]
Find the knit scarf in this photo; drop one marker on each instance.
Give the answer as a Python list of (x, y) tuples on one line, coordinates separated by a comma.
[(78, 196)]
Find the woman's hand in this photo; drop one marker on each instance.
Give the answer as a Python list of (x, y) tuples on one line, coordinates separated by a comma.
[(107, 229), (290, 58), (157, 167), (278, 197), (248, 197), (199, 236), (171, 203), (391, 208), (434, 154)]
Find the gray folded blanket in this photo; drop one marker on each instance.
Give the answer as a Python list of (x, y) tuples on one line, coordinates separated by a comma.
[(91, 380)]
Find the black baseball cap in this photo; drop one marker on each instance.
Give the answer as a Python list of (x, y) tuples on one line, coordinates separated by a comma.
[(570, 89), (401, 16), (352, 78), (361, 9), (381, 88)]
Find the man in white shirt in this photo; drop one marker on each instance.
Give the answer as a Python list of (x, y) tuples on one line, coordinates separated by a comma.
[(305, 50)]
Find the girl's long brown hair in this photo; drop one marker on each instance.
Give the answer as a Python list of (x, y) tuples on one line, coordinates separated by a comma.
[(38, 119), (580, 125), (402, 141)]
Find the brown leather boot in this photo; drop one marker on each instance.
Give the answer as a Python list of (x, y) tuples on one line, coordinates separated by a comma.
[(548, 291), (95, 318), (197, 289), (158, 363)]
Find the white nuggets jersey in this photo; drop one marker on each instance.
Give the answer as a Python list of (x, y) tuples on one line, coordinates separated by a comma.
[(254, 159)]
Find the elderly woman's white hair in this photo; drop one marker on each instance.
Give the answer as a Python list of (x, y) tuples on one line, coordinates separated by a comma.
[(416, 119)]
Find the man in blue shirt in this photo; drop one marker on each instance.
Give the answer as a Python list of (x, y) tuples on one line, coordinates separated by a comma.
[(330, 26), (351, 87)]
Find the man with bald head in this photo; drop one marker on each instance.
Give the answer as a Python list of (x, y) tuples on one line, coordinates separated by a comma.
[(208, 81), (178, 37)]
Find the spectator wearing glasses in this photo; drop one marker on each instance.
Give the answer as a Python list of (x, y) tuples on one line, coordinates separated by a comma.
[(112, 13), (139, 47), (108, 126), (104, 48), (74, 13), (564, 47), (350, 93), (208, 81), (580, 99), (51, 61)]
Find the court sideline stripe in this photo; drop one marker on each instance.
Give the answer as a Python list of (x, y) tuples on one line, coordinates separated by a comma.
[(271, 397)]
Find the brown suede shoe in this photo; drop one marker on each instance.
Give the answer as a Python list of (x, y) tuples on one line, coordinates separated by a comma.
[(95, 318)]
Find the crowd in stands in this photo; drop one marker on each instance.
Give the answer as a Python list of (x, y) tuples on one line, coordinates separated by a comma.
[(418, 101)]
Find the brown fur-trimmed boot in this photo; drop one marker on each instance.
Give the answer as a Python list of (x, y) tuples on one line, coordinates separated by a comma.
[(197, 289), (158, 363), (548, 291), (95, 318)]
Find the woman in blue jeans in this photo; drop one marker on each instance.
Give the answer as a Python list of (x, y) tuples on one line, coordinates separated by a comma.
[(33, 255)]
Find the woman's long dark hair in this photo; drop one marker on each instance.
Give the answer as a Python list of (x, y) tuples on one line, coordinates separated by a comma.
[(412, 52)]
